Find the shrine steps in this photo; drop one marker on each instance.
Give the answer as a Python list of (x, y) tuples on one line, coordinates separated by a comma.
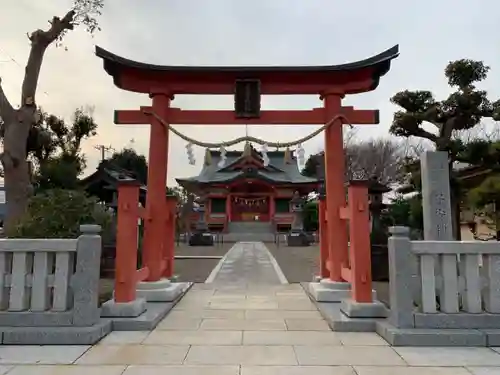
[(249, 237), (249, 231), (249, 227)]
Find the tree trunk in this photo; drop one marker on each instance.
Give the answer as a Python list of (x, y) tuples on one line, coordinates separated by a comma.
[(17, 182), (19, 122)]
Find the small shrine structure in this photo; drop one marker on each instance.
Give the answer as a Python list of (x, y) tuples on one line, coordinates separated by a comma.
[(243, 190)]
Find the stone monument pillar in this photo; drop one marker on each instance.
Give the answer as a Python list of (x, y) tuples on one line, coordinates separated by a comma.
[(201, 236), (297, 236), (436, 201)]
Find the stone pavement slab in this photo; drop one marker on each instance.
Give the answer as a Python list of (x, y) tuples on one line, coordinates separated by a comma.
[(40, 355), (183, 370), (241, 355), (290, 338), (484, 370), (306, 325), (67, 370), (134, 355), (360, 339), (243, 325), (282, 314), (297, 370), (454, 356), (195, 338), (316, 355), (399, 370)]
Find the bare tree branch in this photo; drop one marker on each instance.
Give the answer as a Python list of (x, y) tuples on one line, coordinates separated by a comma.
[(40, 40)]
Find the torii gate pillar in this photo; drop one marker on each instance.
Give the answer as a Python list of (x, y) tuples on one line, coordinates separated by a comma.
[(334, 185), (154, 245)]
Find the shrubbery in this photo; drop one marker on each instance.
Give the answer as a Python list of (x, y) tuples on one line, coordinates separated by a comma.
[(58, 213)]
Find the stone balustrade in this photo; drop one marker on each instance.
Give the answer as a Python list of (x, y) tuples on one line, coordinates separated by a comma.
[(49, 290), (449, 289)]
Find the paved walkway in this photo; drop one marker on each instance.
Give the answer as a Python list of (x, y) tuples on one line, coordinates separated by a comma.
[(247, 263), (246, 328)]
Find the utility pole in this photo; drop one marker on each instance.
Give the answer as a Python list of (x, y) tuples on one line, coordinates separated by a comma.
[(103, 150)]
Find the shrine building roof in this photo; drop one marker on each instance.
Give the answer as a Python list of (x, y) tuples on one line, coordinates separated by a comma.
[(278, 172), (103, 183)]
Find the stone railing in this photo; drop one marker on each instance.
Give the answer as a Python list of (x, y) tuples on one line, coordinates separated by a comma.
[(443, 284), (46, 284)]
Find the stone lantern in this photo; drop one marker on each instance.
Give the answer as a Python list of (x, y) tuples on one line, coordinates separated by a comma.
[(379, 233), (201, 235), (297, 236), (376, 190), (320, 175)]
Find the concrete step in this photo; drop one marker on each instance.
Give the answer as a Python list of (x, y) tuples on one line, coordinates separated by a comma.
[(249, 237), (250, 227)]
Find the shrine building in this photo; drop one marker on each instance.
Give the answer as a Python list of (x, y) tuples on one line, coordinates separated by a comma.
[(246, 194)]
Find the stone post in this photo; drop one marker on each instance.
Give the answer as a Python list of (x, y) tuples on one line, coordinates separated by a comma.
[(401, 271), (85, 283)]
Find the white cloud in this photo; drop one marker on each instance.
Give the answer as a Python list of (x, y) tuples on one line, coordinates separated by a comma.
[(228, 32)]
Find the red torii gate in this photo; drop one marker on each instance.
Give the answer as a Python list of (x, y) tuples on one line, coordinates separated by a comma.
[(331, 83)]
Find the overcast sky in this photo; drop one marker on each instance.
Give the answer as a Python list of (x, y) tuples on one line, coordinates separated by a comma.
[(237, 32)]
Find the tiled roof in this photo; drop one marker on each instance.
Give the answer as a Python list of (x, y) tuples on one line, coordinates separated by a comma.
[(278, 170)]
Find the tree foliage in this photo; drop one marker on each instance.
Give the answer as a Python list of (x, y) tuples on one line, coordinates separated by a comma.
[(58, 213), (463, 109), (131, 161), (54, 148), (17, 123), (311, 216)]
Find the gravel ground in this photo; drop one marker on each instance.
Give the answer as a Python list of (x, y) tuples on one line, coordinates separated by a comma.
[(299, 264), (197, 270)]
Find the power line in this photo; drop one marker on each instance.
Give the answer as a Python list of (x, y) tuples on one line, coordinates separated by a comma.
[(11, 59), (104, 149)]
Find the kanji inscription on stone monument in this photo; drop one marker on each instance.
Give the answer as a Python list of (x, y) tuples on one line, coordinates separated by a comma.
[(436, 196)]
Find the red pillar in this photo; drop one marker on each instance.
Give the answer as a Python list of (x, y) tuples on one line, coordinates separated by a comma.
[(323, 239), (154, 239), (334, 185), (360, 254), (126, 241), (171, 208)]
